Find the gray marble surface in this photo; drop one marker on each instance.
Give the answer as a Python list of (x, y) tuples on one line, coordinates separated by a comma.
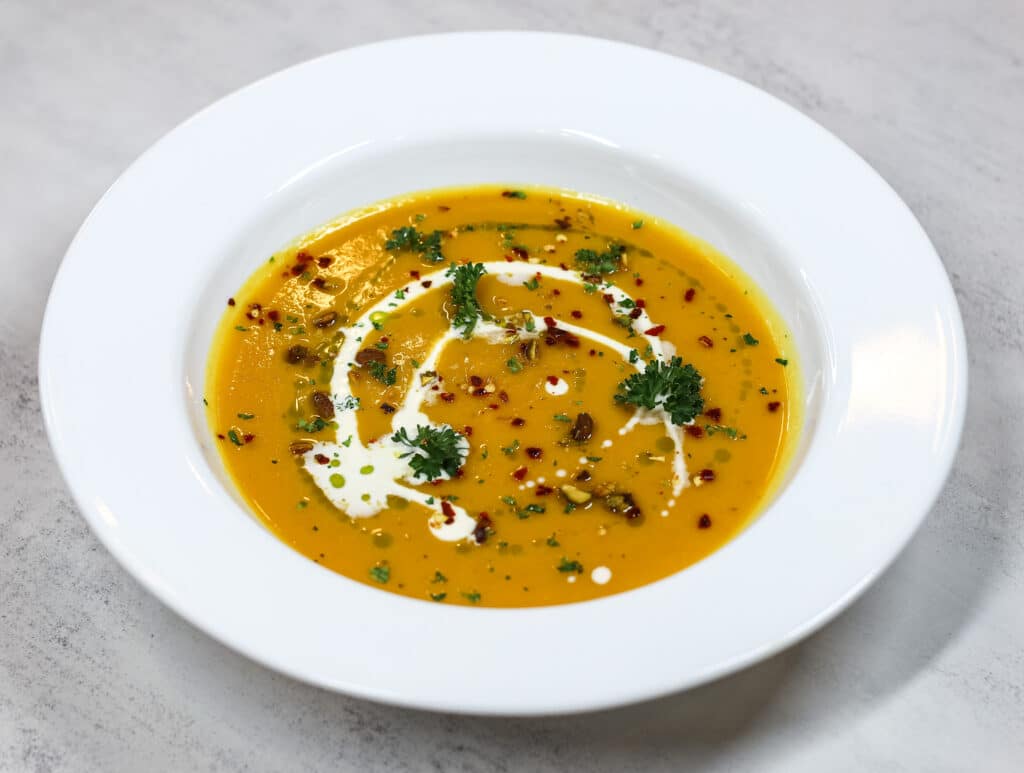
[(926, 672)]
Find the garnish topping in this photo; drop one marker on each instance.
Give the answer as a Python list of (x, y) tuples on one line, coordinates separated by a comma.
[(467, 311), (672, 387), (435, 451), (409, 238), (591, 262)]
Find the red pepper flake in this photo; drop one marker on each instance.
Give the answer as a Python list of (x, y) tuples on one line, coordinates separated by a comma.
[(553, 380), (414, 274), (510, 259), (520, 473), (641, 303), (220, 436), (694, 430), (476, 381), (563, 267), (534, 453), (448, 397), (483, 528), (550, 322), (443, 207), (304, 257), (493, 406), (655, 331), (636, 312), (576, 314), (448, 510), (704, 522), (274, 315), (563, 222), (593, 352), (425, 284), (248, 437), (608, 298), (467, 431), (715, 414), (518, 422), (556, 291), (297, 269), (774, 406), (706, 475), (639, 282), (480, 392), (706, 342), (543, 491), (231, 301), (324, 261), (322, 458), (520, 253), (503, 396), (689, 295)]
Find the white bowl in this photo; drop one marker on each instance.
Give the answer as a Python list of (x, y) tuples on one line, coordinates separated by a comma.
[(133, 309)]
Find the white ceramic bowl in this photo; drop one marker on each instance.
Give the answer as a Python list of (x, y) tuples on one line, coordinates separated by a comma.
[(133, 309)]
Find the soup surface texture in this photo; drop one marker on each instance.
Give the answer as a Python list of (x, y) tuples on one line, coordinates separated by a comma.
[(502, 397)]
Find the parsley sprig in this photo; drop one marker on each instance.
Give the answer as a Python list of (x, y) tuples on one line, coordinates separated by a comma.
[(591, 262), (672, 386), (435, 450), (382, 373), (466, 306), (410, 238)]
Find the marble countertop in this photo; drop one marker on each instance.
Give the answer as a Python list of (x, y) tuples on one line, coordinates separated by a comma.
[(925, 672)]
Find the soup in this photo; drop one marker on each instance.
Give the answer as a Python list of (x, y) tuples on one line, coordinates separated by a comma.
[(502, 397)]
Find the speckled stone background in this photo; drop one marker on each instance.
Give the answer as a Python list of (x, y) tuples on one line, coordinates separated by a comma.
[(925, 673)]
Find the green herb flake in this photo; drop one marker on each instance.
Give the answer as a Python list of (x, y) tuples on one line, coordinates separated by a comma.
[(246, 416), (532, 284), (782, 361), (638, 224), (552, 542), (473, 597), (415, 363), (380, 372), (438, 596), (408, 238), (241, 328), (233, 437), (565, 565), (514, 194), (438, 577), (510, 449), (510, 501), (563, 417), (513, 365), (381, 573), (749, 340), (591, 262), (594, 458)]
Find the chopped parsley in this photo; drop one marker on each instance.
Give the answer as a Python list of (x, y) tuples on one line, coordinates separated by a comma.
[(315, 425), (532, 284), (233, 437), (565, 565), (781, 361), (473, 597), (514, 194), (510, 449), (380, 372), (467, 311), (438, 596), (438, 577), (510, 501), (607, 262), (246, 416), (435, 451), (409, 238), (672, 386), (749, 340), (381, 573), (514, 365), (552, 542), (563, 417), (638, 224)]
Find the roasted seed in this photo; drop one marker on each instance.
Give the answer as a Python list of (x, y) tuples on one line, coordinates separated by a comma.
[(371, 354), (324, 405), (325, 319), (575, 495), (583, 428), (300, 447), (296, 354)]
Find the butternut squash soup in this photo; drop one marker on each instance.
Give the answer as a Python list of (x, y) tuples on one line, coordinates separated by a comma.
[(502, 397)]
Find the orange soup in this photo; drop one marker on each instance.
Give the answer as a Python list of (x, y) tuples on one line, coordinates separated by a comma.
[(502, 397)]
